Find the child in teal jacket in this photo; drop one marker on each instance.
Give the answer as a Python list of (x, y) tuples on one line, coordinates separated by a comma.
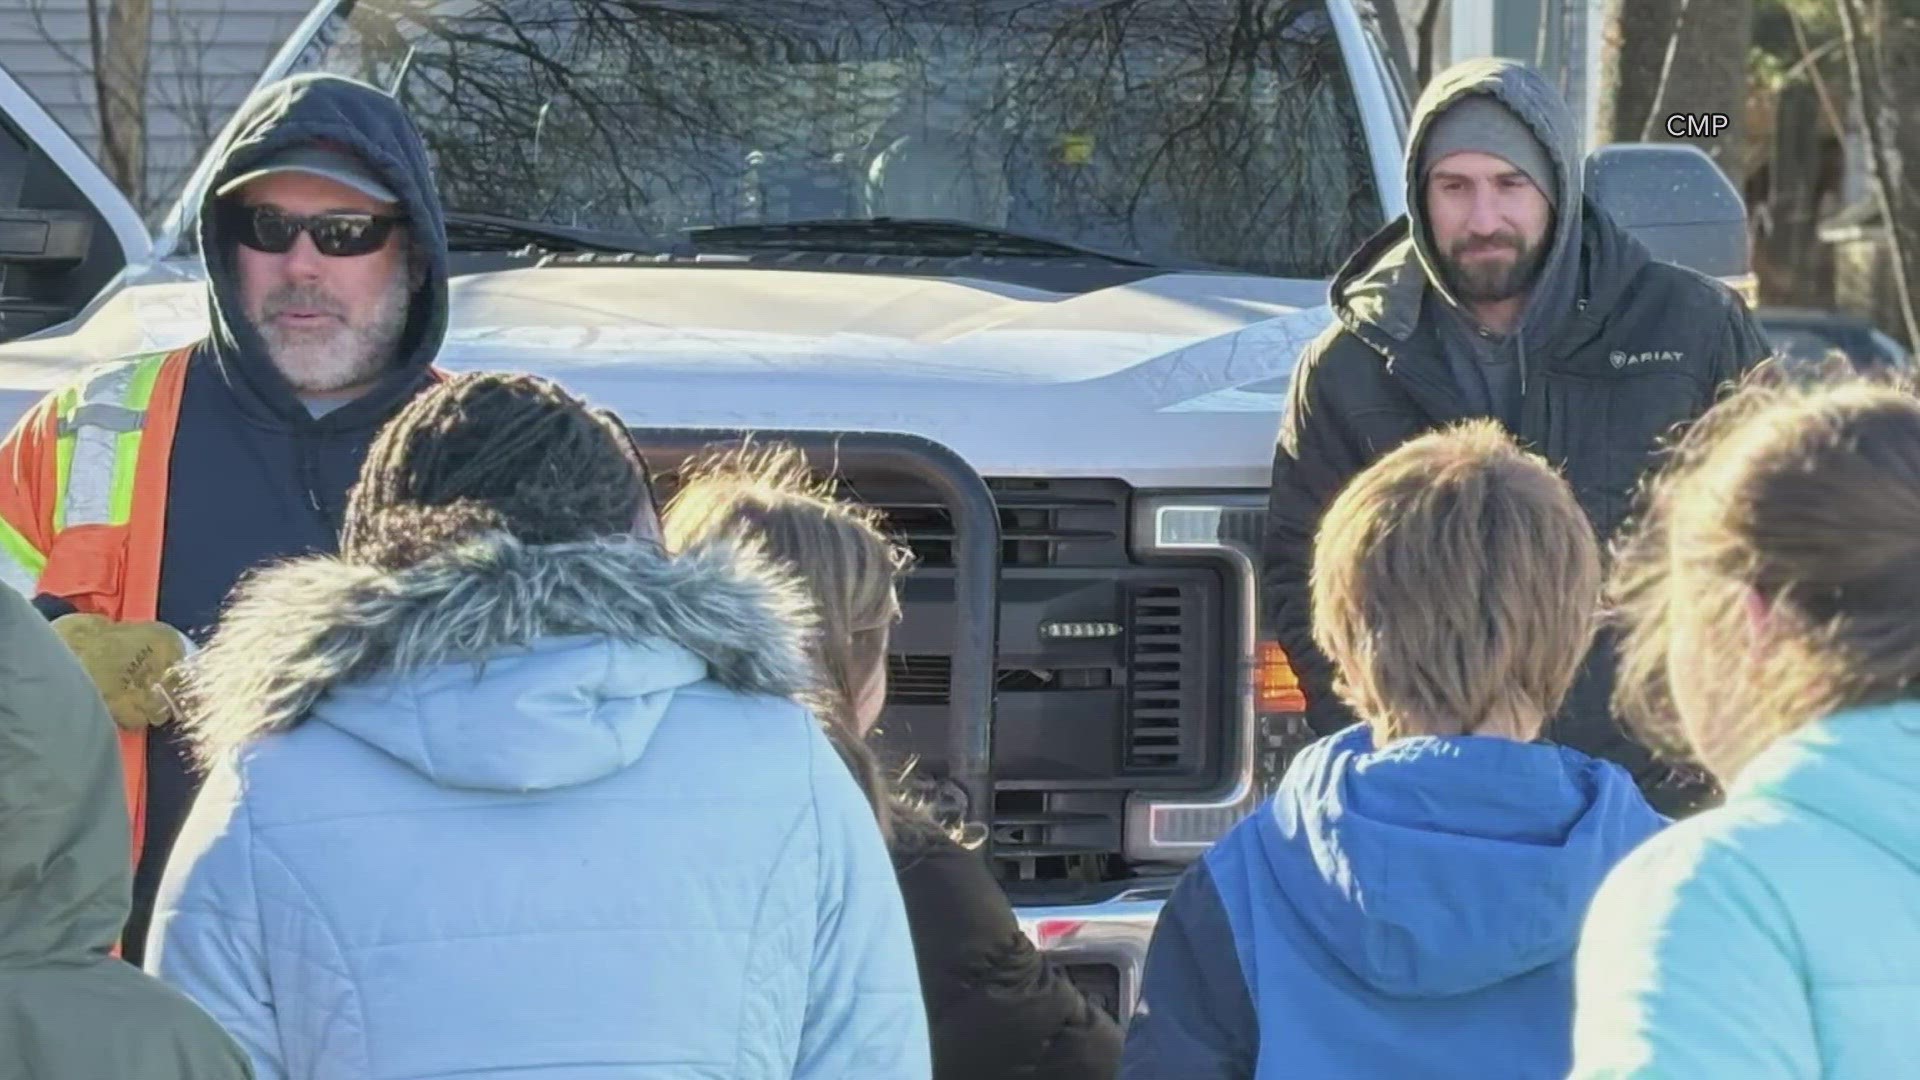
[(1773, 599)]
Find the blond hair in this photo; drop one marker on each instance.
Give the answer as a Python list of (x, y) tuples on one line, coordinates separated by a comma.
[(1772, 572), (848, 566), (1456, 588)]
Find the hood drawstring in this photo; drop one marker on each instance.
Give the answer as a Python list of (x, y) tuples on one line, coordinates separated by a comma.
[(310, 472)]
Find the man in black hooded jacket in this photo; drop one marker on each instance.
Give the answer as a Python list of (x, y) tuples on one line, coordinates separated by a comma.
[(1504, 292), (325, 248)]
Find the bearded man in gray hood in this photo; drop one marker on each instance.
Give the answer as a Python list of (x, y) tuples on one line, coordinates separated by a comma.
[(1504, 293)]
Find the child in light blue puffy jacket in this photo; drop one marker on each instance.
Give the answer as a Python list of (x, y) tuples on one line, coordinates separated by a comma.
[(507, 790), (1771, 595)]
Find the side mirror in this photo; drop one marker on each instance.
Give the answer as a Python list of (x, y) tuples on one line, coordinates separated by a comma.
[(1679, 203), (38, 241), (44, 236), (20, 316)]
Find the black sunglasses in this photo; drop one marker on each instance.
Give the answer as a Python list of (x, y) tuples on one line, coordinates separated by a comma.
[(263, 228)]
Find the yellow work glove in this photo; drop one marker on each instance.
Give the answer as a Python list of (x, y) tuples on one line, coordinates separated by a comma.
[(128, 662)]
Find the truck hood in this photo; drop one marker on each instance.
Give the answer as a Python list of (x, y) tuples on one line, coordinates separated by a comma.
[(1174, 381)]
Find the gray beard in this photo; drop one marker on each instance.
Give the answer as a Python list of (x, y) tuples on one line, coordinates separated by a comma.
[(346, 355)]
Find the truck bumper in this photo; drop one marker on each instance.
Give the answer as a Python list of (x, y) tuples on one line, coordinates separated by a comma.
[(1102, 946)]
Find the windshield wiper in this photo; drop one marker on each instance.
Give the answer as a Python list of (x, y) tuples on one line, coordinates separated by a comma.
[(917, 236), (489, 232)]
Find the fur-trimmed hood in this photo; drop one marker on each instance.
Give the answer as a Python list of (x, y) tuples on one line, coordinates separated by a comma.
[(497, 664)]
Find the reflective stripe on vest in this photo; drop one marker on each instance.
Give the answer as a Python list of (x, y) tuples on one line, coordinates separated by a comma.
[(20, 564), (99, 443)]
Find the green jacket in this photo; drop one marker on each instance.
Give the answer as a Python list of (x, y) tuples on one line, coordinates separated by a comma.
[(69, 1010)]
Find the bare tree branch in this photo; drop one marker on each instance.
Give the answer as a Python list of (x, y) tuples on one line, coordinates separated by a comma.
[(1221, 132), (1545, 10), (96, 41), (189, 91), (1426, 27), (36, 11), (121, 80), (114, 71), (1867, 91), (1666, 72), (1810, 62)]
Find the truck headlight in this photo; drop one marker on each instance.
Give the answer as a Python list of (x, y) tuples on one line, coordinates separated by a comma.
[(1228, 525)]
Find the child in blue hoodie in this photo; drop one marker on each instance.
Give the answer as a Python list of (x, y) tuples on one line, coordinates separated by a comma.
[(1409, 901)]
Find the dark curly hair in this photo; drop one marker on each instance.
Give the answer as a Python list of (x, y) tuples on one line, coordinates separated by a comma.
[(486, 453)]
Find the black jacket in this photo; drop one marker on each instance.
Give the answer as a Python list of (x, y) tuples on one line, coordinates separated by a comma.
[(1646, 347), (996, 1008)]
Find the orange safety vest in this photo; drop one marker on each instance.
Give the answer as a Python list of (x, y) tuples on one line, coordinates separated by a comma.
[(83, 506)]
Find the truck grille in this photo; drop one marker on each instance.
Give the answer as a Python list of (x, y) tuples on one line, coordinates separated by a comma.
[(1111, 679), (1042, 522), (1051, 836), (1103, 684), (919, 679), (1160, 688)]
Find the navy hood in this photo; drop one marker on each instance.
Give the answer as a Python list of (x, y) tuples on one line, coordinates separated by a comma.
[(303, 109), (1439, 866)]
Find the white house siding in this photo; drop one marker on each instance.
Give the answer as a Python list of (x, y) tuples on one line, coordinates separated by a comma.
[(205, 56)]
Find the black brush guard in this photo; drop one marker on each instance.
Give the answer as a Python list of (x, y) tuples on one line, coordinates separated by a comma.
[(976, 565)]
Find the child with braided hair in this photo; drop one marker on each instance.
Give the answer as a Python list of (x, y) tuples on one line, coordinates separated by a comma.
[(504, 787)]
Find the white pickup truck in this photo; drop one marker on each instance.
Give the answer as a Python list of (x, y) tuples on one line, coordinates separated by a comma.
[(1077, 245)]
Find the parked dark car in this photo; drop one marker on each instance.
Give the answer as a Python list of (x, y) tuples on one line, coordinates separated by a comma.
[(1809, 335)]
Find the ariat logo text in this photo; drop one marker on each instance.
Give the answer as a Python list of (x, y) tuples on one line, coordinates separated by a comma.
[(1655, 356)]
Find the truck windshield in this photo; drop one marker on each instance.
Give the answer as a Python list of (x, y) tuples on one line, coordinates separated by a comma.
[(1217, 132)]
